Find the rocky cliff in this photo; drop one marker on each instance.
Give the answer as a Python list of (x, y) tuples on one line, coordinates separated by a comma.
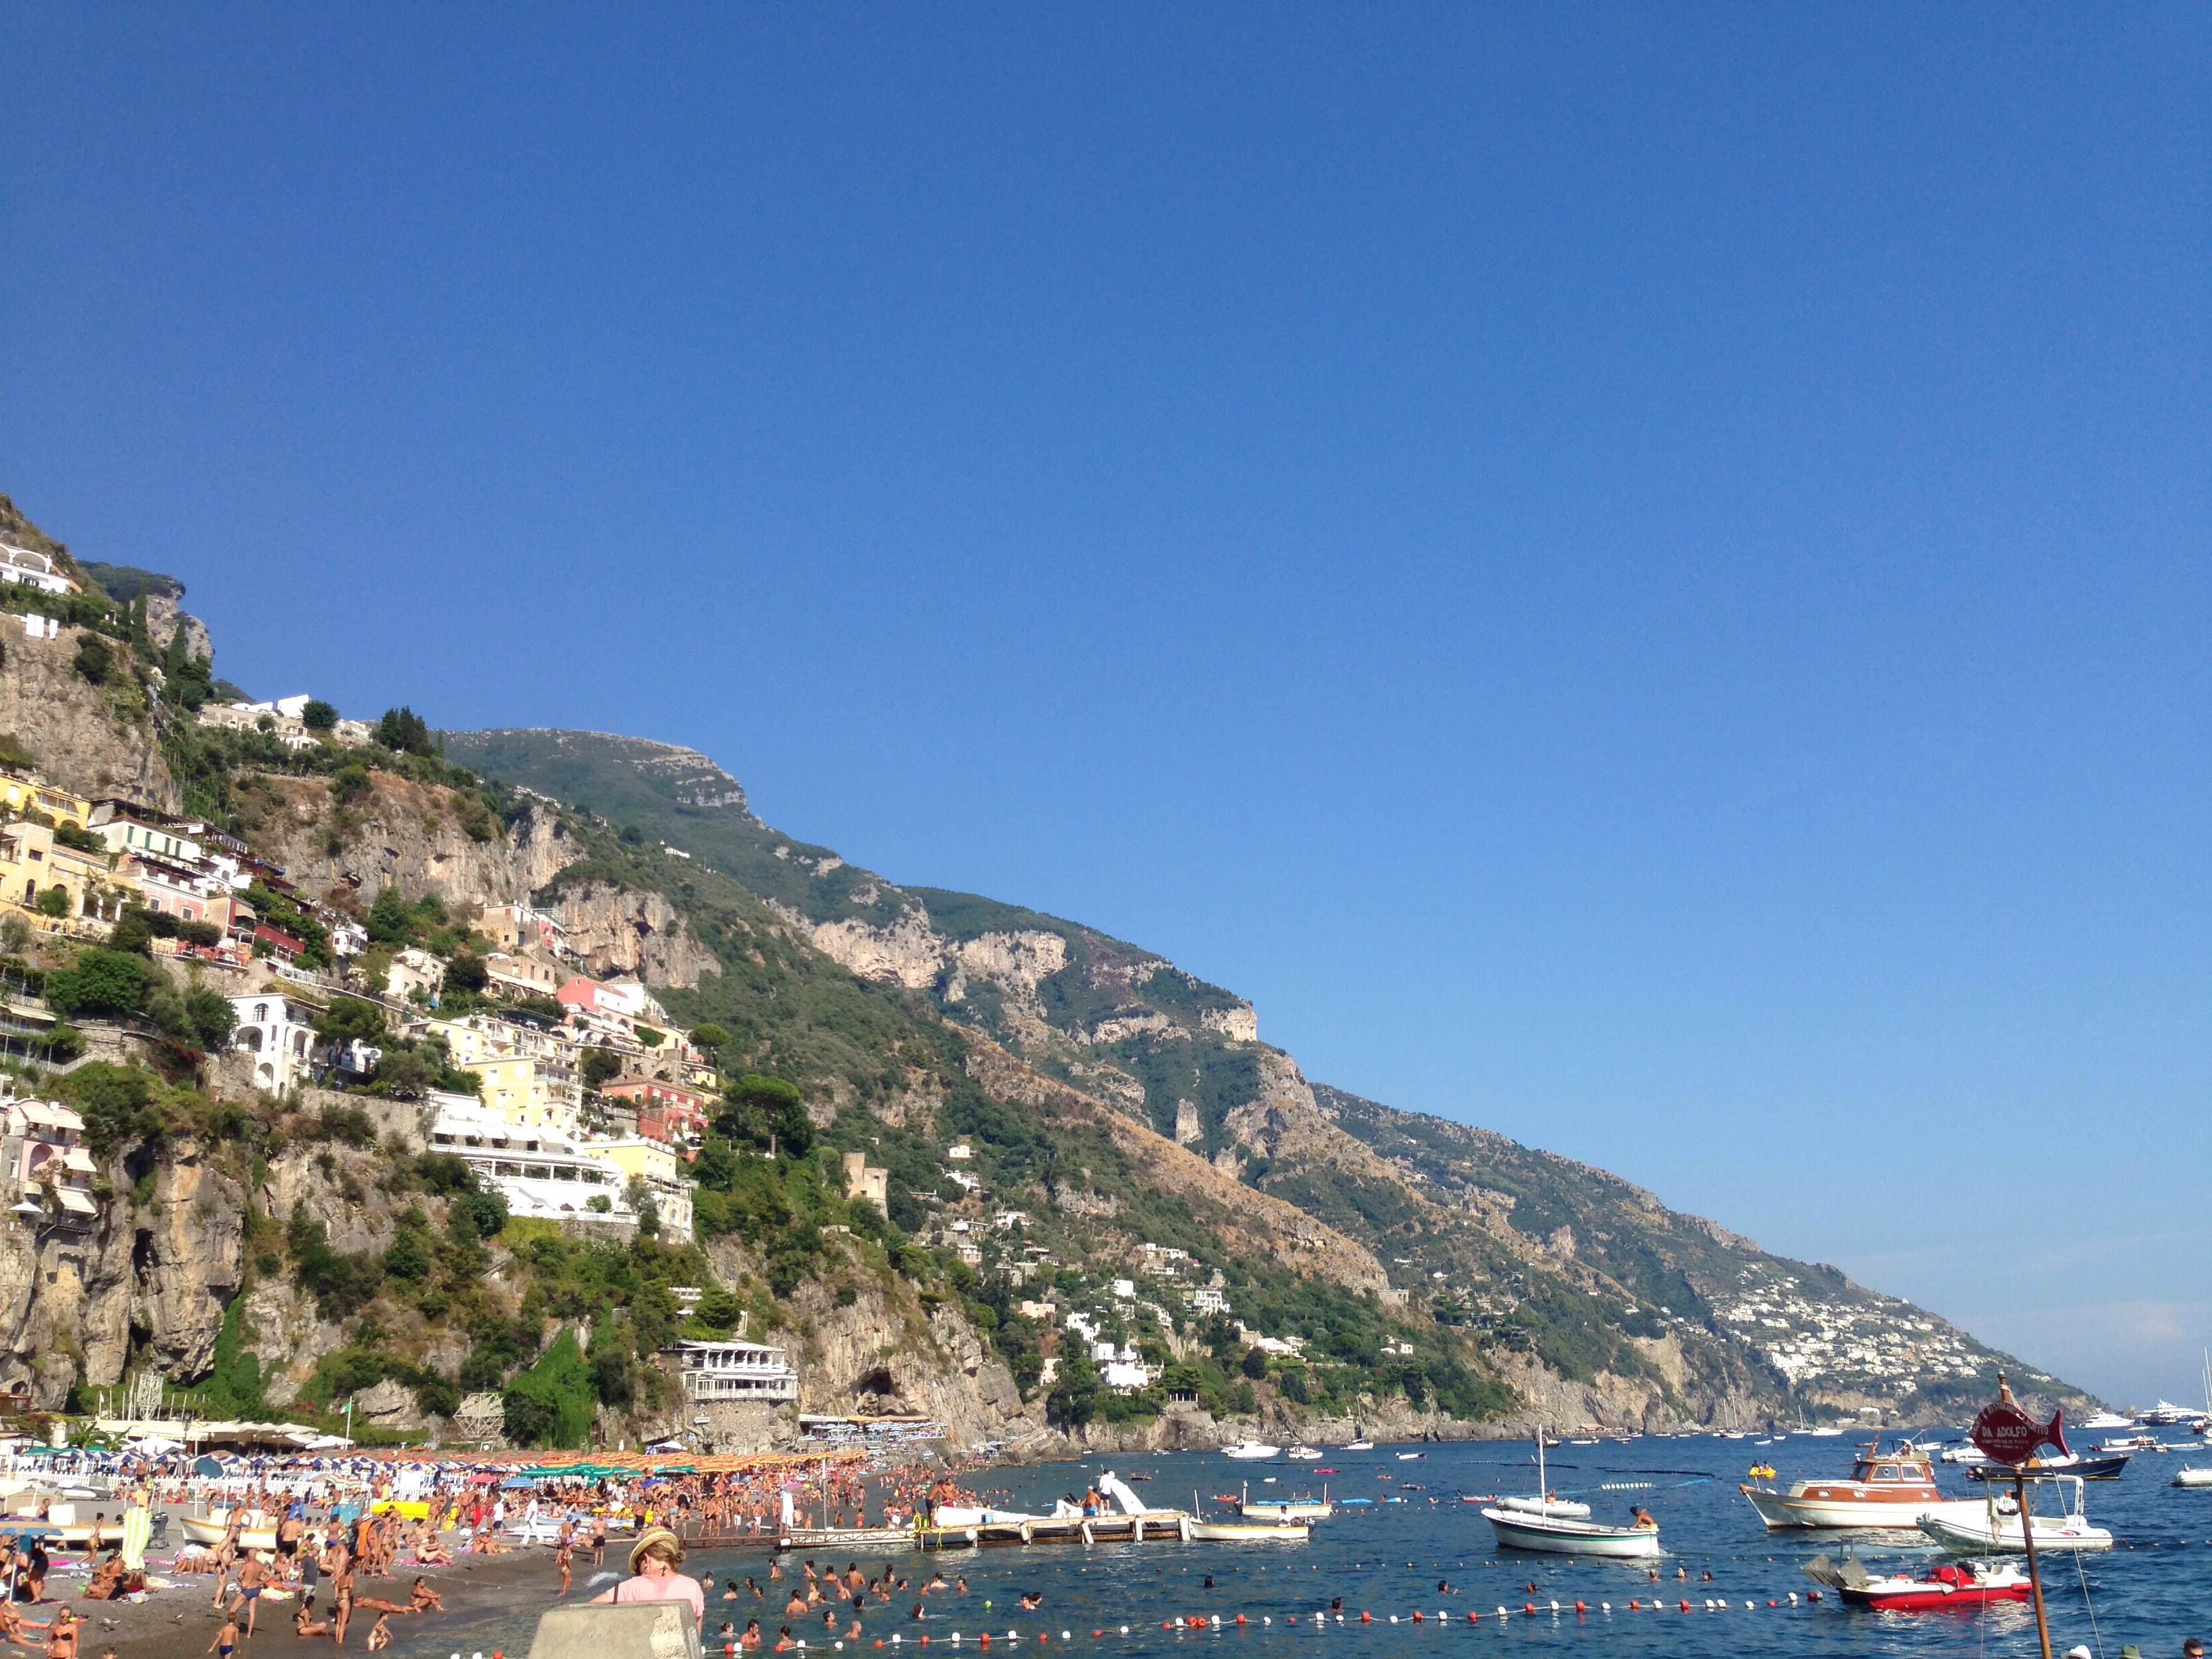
[(100, 739), (622, 930), (397, 833)]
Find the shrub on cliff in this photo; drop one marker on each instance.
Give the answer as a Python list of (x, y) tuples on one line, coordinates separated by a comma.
[(117, 1104), (94, 661), (550, 1404), (106, 984)]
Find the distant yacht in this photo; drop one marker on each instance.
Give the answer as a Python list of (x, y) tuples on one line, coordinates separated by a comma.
[(2107, 1420)]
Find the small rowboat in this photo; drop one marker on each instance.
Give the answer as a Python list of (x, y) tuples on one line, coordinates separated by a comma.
[(1247, 1532), (1557, 1535), (259, 1533)]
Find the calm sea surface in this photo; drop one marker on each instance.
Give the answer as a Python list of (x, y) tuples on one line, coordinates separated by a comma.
[(2153, 1589)]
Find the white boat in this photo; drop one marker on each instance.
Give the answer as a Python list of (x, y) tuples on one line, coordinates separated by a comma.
[(1559, 1509), (1411, 1457), (2165, 1415), (1560, 1534), (1359, 1445), (960, 1515), (1823, 1434), (259, 1531), (1251, 1451), (2104, 1422), (1303, 1453), (1557, 1535), (2189, 1477), (1964, 1452), (1246, 1531), (1996, 1530)]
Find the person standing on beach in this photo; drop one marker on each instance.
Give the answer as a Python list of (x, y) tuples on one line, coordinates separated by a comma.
[(562, 1553), (225, 1643), (251, 1573)]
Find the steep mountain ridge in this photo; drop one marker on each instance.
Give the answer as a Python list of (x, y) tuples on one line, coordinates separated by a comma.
[(1531, 1254)]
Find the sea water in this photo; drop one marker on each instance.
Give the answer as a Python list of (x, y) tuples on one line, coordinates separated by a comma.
[(1385, 1559)]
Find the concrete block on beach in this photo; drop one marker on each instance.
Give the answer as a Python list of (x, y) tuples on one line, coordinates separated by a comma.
[(655, 1629)]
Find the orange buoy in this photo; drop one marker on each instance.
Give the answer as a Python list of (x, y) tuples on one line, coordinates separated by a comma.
[(1685, 1607), (1473, 1618), (1579, 1607), (1239, 1618), (1366, 1617)]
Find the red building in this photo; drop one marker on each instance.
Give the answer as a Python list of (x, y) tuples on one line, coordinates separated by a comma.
[(665, 1111)]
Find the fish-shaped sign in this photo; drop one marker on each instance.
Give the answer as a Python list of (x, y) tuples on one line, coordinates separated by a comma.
[(2010, 1436)]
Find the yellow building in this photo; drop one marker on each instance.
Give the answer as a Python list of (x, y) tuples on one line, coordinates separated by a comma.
[(22, 794), (528, 1092), (33, 865), (666, 1174)]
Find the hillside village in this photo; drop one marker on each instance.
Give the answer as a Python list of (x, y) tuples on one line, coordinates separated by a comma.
[(589, 1141)]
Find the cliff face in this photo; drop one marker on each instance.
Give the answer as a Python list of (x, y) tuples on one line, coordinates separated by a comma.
[(96, 739), (400, 834), (619, 930), (147, 1286)]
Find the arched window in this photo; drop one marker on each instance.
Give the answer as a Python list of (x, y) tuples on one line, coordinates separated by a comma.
[(260, 1014)]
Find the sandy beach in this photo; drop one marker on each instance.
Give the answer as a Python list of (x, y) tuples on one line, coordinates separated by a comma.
[(179, 1624)]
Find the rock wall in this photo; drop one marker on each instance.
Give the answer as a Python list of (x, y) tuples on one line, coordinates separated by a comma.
[(69, 1301), (97, 740), (621, 931), (404, 834)]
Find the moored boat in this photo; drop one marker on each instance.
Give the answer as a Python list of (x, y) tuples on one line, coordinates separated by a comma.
[(1251, 1451), (1997, 1529), (1249, 1532), (1524, 1524), (2088, 1467), (1952, 1585), (1890, 1490), (1559, 1535), (1563, 1508)]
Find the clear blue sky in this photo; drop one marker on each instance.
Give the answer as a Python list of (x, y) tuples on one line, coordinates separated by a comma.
[(1637, 576)]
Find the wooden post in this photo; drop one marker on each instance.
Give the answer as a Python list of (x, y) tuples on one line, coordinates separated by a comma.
[(2034, 1574)]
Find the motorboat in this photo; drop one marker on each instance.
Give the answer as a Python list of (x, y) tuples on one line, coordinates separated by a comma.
[(1563, 1534), (1304, 1455), (1251, 1451), (1411, 1457), (2088, 1466), (2166, 1415), (2104, 1422), (1964, 1452), (1830, 1432), (1952, 1584), (2189, 1477), (2133, 1442), (1889, 1490), (1996, 1530), (1359, 1445)]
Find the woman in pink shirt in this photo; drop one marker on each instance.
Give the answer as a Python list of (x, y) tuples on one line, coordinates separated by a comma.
[(654, 1559)]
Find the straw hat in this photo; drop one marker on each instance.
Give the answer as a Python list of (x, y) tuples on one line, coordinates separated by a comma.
[(655, 1535)]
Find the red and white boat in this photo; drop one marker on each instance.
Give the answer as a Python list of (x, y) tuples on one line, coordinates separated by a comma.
[(1953, 1585), (1887, 1490)]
